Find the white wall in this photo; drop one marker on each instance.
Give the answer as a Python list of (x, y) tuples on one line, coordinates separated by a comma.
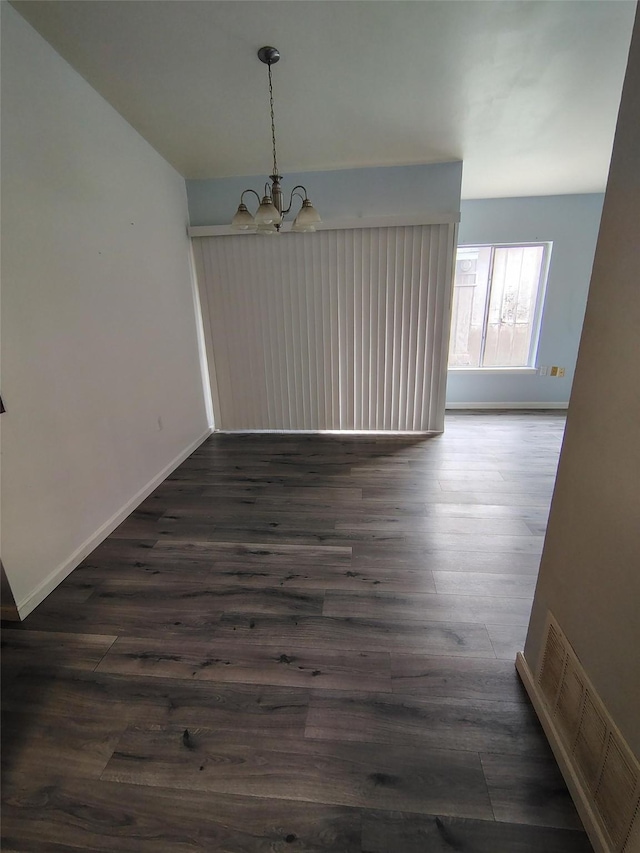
[(100, 375), (590, 572), (571, 223)]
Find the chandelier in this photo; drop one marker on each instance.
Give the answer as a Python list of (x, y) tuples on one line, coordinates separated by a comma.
[(271, 210)]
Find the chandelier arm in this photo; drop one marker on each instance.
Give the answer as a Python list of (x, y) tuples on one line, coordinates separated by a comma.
[(293, 192), (300, 187), (249, 191)]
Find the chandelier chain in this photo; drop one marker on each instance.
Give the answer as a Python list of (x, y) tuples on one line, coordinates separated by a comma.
[(273, 125)]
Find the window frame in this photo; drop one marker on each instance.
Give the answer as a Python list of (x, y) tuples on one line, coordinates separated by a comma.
[(531, 367)]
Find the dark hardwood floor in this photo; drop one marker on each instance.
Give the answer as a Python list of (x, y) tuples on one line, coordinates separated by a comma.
[(298, 643)]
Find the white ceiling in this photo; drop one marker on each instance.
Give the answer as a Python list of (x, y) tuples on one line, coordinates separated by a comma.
[(525, 93)]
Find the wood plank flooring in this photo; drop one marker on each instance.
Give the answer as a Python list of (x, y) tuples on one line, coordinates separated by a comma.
[(298, 643)]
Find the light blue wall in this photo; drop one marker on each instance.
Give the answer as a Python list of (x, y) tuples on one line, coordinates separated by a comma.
[(571, 223), (387, 191)]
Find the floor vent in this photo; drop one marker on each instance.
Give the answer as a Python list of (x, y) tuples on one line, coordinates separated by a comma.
[(609, 772)]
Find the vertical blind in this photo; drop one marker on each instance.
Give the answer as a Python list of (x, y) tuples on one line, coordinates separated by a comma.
[(336, 330)]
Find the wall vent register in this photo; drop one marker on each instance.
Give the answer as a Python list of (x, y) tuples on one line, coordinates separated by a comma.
[(599, 755)]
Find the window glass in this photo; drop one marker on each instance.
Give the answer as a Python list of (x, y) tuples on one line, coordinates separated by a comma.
[(495, 300)]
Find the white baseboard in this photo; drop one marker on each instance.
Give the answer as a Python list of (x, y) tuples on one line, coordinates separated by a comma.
[(578, 794), (474, 406), (64, 569)]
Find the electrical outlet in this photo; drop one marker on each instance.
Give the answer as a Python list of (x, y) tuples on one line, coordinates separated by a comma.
[(543, 371), (553, 371), (561, 371)]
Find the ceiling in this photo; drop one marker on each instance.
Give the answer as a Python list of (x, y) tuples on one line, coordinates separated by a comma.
[(525, 93)]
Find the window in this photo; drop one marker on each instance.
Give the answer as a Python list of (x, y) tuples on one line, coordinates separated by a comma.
[(497, 302)]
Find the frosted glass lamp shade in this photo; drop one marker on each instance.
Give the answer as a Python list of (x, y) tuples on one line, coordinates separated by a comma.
[(307, 218), (267, 213), (267, 230), (243, 220)]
